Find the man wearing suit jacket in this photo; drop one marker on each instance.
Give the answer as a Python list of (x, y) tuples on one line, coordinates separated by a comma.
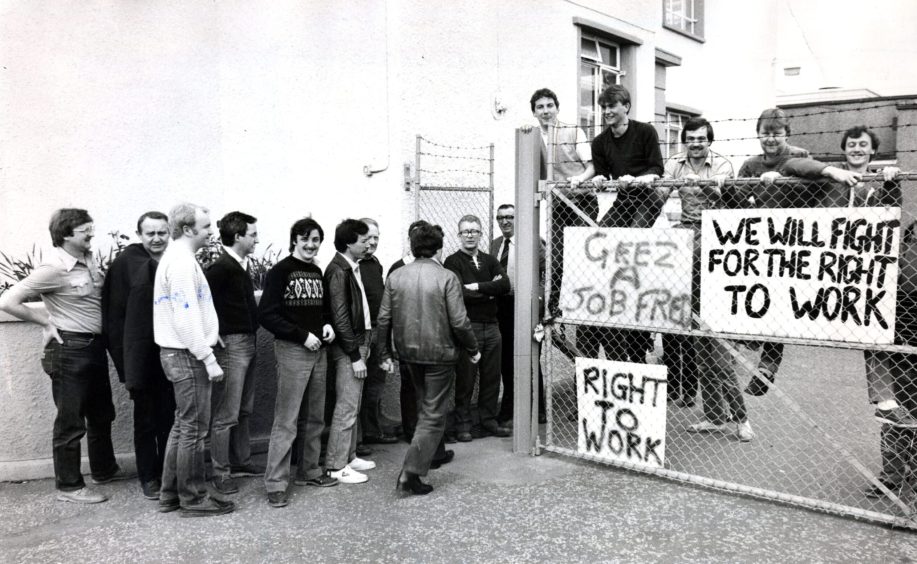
[(504, 248)]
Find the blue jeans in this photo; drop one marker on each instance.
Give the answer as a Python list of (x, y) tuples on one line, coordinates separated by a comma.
[(434, 384), (299, 409), (342, 440), (230, 443), (490, 344), (82, 395), (183, 469)]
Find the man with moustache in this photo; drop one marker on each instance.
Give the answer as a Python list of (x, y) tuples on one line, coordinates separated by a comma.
[(295, 309), (127, 324), (186, 328), (69, 282)]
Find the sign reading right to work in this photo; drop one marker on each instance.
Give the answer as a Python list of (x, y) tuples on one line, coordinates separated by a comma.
[(825, 274)]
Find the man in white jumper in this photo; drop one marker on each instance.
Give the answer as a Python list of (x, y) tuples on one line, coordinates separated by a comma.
[(185, 327)]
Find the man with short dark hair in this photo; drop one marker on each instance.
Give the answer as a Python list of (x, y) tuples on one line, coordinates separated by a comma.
[(69, 283), (127, 323), (234, 300), (425, 290), (295, 309), (482, 281), (186, 328), (352, 326)]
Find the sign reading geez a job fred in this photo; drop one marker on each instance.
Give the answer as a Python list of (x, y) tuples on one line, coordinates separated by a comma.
[(827, 274)]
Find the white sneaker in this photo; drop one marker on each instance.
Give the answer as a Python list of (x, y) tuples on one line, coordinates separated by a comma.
[(361, 465), (348, 475), (706, 427), (744, 432), (82, 495)]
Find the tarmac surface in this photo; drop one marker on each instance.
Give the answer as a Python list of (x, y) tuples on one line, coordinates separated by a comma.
[(488, 506)]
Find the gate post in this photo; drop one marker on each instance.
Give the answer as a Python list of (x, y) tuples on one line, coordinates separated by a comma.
[(525, 287)]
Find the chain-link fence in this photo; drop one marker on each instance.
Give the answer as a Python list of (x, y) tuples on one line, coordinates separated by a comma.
[(763, 350), (452, 181)]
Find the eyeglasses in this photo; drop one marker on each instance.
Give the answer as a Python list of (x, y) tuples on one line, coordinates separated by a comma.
[(470, 232), (505, 217), (87, 230)]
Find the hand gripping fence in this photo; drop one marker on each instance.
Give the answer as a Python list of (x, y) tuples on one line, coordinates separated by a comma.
[(767, 351)]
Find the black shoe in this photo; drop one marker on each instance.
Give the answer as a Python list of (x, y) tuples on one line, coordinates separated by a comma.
[(410, 484), (244, 470), (169, 505), (501, 431), (478, 432), (380, 439), (208, 508), (151, 489), (322, 481), (115, 476), (224, 485), (758, 386), (363, 450), (278, 499), (493, 430), (463, 437), (446, 459)]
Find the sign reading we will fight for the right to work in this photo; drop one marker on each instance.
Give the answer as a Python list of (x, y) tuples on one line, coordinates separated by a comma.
[(826, 274)]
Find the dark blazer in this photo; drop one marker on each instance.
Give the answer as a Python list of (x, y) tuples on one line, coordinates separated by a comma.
[(495, 247), (347, 316), (127, 318), (423, 309)]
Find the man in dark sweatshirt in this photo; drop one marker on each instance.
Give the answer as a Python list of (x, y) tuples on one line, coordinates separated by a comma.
[(294, 308), (127, 325), (483, 279), (234, 299)]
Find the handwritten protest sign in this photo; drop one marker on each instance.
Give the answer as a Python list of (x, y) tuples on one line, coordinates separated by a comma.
[(628, 276), (828, 274), (622, 409)]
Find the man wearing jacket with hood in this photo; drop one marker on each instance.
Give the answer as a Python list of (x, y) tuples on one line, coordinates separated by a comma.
[(127, 325)]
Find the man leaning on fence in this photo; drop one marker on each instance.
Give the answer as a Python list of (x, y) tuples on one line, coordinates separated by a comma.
[(234, 299), (69, 282), (127, 323), (703, 360), (425, 290), (186, 329)]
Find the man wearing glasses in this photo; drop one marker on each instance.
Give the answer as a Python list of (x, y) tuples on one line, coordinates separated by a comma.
[(70, 285), (483, 280)]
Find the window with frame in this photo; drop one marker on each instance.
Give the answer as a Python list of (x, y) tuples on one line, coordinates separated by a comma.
[(684, 16), (674, 123), (600, 67)]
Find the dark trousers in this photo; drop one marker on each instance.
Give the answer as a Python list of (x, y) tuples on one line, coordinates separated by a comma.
[(507, 323), (82, 395), (679, 354), (433, 384), (184, 465), (154, 415), (563, 216), (373, 386), (626, 345), (408, 400), (489, 343)]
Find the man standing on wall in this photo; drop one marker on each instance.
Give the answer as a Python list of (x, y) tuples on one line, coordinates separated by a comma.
[(371, 430), (483, 280), (186, 328), (127, 323), (70, 285), (428, 351), (234, 300), (352, 325)]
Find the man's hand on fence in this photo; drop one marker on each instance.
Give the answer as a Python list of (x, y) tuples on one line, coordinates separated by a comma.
[(599, 181), (847, 177), (890, 172), (768, 178)]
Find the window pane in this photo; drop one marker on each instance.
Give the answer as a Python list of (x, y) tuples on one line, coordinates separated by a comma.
[(589, 49)]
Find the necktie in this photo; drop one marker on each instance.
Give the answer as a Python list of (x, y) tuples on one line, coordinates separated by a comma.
[(504, 254)]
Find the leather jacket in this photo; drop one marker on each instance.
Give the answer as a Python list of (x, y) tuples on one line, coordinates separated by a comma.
[(343, 294), (423, 309)]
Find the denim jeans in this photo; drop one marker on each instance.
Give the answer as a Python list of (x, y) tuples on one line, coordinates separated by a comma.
[(298, 410), (184, 466), (371, 404), (82, 395), (490, 344), (434, 384), (342, 440), (230, 442), (154, 415)]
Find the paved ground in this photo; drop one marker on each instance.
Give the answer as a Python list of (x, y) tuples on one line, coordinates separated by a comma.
[(488, 506)]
